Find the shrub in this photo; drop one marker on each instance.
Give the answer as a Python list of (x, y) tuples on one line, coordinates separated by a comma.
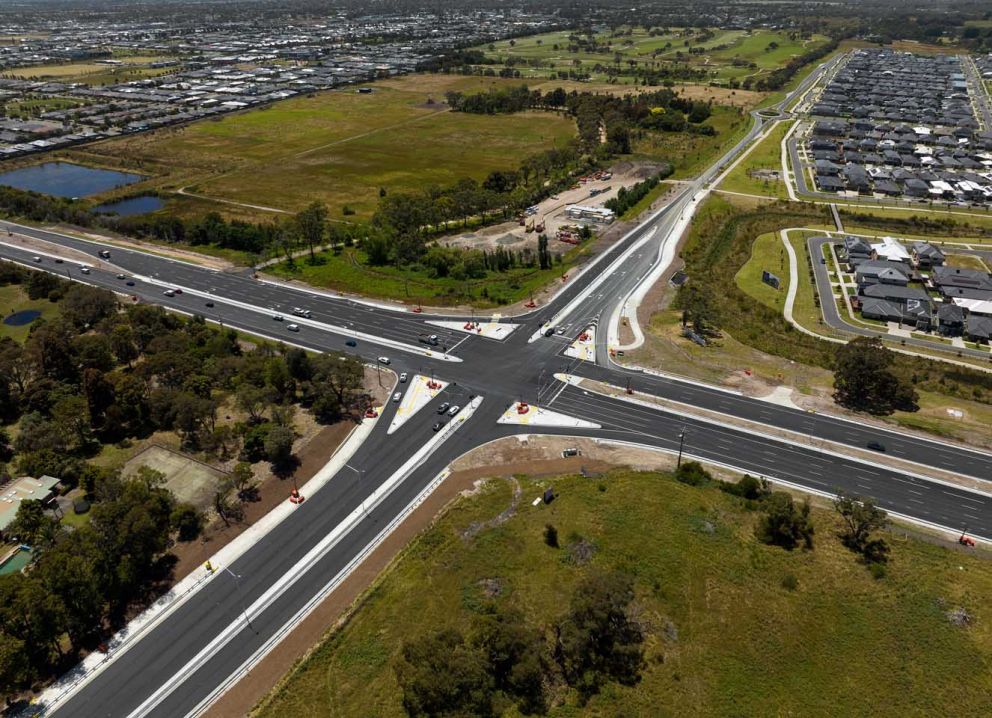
[(785, 524), (692, 473), (551, 536), (790, 582)]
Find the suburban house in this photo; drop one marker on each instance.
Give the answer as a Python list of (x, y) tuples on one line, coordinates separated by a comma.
[(876, 271), (950, 319), (881, 309), (895, 292), (857, 250), (961, 277), (24, 489), (978, 328), (890, 250), (927, 256)]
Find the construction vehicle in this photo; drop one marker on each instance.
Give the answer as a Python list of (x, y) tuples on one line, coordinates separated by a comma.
[(539, 227), (965, 540), (530, 226), (429, 339)]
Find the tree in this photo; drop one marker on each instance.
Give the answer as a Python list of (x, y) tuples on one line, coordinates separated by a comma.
[(864, 380), (74, 571), (33, 525), (862, 518), (513, 652), (279, 446), (14, 667), (243, 480), (312, 224), (784, 523), (598, 640), (187, 520), (442, 676), (33, 616), (253, 401), (84, 305), (699, 305)]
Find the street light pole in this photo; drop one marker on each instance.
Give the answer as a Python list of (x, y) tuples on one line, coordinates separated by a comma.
[(244, 608), (678, 464)]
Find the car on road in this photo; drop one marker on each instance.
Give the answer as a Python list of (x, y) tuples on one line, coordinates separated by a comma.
[(397, 396), (129, 283), (169, 293), (403, 378), (438, 426), (301, 312), (36, 259), (210, 304), (293, 327), (549, 332), (384, 360), (121, 276), (454, 410), (351, 343), (560, 330), (178, 290), (443, 408), (876, 446), (277, 317), (58, 260), (84, 269)]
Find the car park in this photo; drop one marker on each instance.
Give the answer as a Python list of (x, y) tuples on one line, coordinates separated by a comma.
[(876, 446), (454, 410), (384, 360), (443, 408), (403, 378), (293, 327)]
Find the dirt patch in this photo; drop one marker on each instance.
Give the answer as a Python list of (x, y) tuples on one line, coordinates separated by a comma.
[(189, 480)]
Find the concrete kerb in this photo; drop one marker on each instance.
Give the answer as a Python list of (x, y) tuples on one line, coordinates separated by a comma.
[(300, 568), (136, 629), (793, 442)]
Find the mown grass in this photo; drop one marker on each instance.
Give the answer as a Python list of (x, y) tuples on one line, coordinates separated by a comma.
[(767, 254), (725, 637), (766, 155), (13, 298), (341, 147)]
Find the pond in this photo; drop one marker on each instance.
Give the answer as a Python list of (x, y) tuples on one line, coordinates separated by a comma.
[(131, 207), (19, 319), (65, 179)]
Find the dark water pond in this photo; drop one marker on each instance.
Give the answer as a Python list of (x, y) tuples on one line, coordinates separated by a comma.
[(19, 319), (65, 179), (131, 207)]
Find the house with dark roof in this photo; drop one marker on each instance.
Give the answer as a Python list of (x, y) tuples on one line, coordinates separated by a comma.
[(927, 256), (880, 271), (881, 310), (827, 183), (962, 277), (894, 292), (856, 250), (950, 319), (978, 328)]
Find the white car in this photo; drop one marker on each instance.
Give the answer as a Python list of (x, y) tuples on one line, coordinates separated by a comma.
[(84, 269), (384, 360), (454, 410), (277, 317), (293, 327), (169, 293), (397, 396), (403, 378), (36, 258), (120, 276)]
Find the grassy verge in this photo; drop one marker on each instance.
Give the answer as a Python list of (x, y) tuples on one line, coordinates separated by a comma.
[(347, 271), (765, 156), (725, 633)]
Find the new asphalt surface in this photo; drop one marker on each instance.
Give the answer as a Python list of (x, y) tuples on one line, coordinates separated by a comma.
[(206, 642)]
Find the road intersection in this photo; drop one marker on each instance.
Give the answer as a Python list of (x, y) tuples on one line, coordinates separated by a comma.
[(200, 647)]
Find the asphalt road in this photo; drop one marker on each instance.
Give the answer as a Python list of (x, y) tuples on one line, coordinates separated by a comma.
[(175, 668)]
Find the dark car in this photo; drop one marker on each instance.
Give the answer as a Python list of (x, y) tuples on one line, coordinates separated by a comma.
[(443, 408), (351, 343), (177, 290), (876, 446), (438, 425), (130, 284), (549, 332), (210, 304)]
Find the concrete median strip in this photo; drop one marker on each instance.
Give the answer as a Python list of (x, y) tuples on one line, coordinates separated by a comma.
[(185, 589), (494, 329), (527, 415), (584, 346), (304, 565)]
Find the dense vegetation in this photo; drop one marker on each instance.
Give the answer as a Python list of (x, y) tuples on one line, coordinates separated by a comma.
[(100, 373)]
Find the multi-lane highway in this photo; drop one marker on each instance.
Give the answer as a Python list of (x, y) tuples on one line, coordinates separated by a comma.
[(200, 646)]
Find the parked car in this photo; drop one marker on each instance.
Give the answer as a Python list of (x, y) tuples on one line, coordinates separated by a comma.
[(351, 343), (384, 361), (403, 378), (454, 410), (876, 446), (443, 408), (293, 327)]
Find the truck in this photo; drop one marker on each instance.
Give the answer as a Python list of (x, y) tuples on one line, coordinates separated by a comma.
[(430, 339)]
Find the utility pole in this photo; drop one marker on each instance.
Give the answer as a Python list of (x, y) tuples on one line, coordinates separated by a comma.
[(678, 464), (244, 608)]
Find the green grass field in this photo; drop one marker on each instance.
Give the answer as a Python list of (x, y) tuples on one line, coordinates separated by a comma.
[(341, 147), (93, 73), (348, 272), (765, 156), (689, 153), (14, 299), (725, 635), (548, 53)]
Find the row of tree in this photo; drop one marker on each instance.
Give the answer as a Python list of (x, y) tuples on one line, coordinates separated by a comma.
[(627, 198), (507, 662)]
